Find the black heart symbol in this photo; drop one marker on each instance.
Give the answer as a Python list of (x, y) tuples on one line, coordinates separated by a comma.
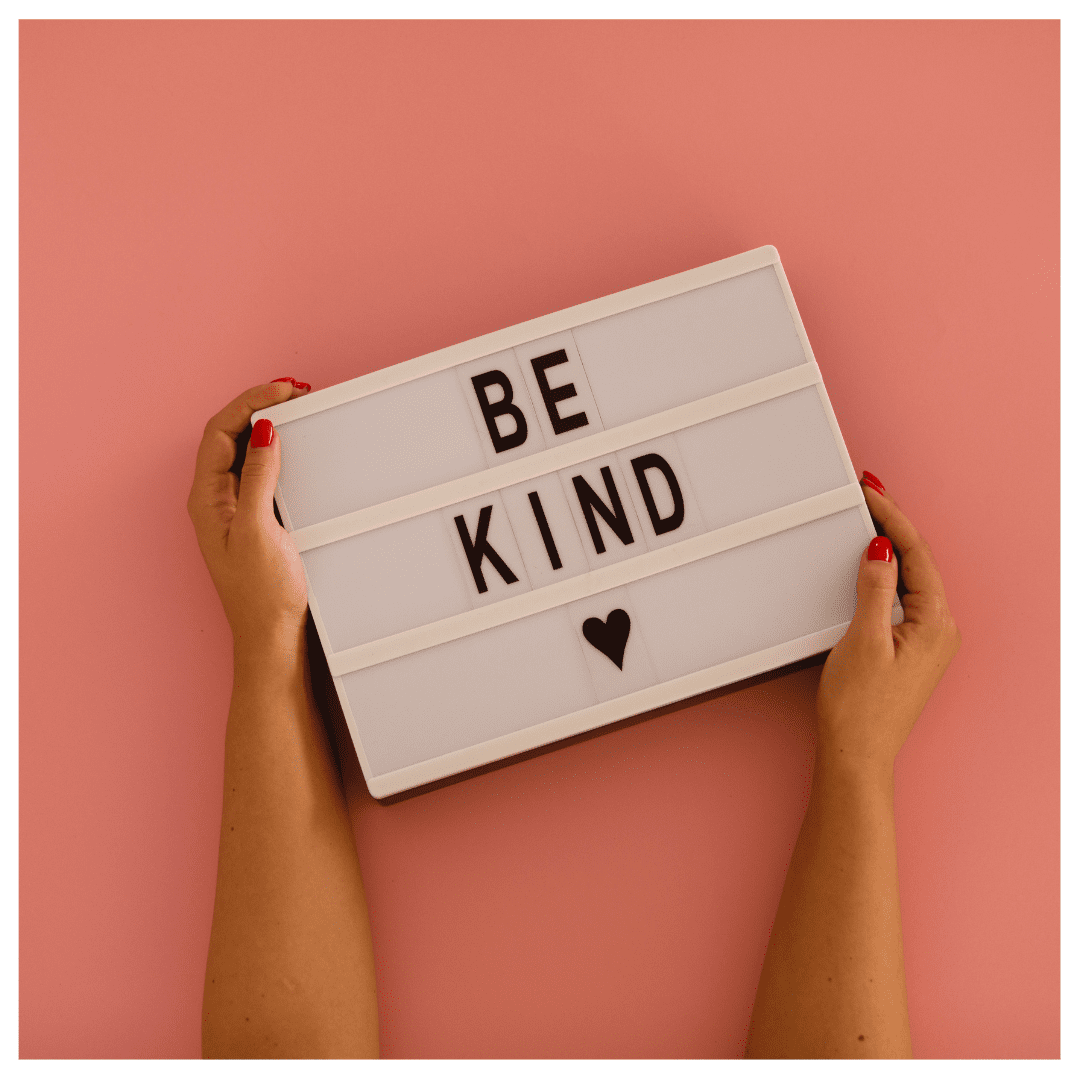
[(609, 637)]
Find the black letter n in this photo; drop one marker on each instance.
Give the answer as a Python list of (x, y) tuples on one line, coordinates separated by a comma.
[(592, 504)]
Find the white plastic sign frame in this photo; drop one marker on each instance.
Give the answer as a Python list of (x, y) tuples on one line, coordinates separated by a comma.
[(684, 428)]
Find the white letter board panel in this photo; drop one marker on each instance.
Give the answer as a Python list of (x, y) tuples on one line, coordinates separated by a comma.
[(574, 520)]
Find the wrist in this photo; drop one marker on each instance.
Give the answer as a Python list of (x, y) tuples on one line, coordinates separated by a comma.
[(278, 654), (834, 760)]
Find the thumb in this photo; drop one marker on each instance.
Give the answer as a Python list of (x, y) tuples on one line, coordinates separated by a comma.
[(875, 589), (259, 476)]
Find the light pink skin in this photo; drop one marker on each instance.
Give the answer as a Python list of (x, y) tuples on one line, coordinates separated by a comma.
[(290, 970), (833, 981)]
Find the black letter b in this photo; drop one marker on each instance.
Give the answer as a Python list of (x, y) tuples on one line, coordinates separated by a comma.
[(503, 407)]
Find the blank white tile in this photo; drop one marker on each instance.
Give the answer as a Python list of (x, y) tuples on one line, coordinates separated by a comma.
[(615, 549), (376, 448), (563, 532), (662, 493), (609, 679), (686, 347), (762, 457), (500, 536), (751, 597), (384, 581), (568, 375), (468, 691), (508, 425)]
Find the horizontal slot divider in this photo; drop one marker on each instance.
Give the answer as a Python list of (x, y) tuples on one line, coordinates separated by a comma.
[(595, 581), (556, 458), (522, 333), (605, 712)]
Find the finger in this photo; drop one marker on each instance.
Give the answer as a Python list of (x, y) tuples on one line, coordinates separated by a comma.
[(212, 501), (921, 576), (255, 502), (875, 588)]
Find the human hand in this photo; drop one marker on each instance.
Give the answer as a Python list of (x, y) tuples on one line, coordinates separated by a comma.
[(252, 560), (878, 677)]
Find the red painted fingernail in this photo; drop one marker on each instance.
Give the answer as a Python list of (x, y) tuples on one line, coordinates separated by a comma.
[(262, 434), (285, 378), (880, 549), (873, 481), (301, 385)]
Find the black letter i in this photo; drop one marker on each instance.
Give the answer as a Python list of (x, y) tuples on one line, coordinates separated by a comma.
[(545, 530)]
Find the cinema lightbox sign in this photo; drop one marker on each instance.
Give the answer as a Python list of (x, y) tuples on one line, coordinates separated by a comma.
[(577, 519)]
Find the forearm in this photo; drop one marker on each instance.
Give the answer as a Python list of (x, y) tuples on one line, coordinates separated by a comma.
[(290, 971), (833, 980)]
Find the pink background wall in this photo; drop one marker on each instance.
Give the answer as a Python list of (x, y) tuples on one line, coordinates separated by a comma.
[(208, 206)]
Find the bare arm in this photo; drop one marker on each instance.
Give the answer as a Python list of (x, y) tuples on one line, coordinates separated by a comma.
[(833, 980), (290, 971)]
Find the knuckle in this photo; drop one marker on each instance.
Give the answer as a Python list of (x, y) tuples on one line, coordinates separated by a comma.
[(255, 469), (927, 551), (943, 624), (878, 587), (938, 612)]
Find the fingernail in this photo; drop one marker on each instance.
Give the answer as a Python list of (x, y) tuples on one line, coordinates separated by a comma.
[(873, 481), (880, 549), (262, 434), (285, 378), (301, 385)]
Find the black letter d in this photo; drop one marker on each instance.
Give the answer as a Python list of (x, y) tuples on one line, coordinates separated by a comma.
[(641, 465)]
